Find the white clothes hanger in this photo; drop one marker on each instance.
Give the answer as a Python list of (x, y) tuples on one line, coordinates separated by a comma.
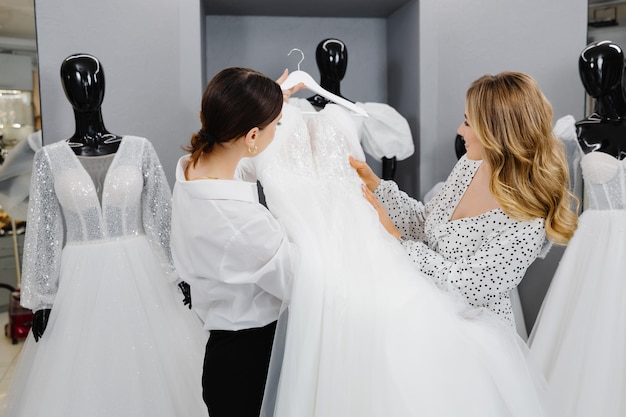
[(300, 76)]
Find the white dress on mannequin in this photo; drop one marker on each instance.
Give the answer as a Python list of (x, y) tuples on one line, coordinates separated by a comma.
[(119, 341), (367, 334), (579, 338)]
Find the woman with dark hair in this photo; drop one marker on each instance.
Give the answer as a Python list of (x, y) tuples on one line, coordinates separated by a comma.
[(228, 246)]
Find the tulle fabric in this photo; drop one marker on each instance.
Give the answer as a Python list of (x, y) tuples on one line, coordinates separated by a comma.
[(119, 341), (367, 335), (579, 339)]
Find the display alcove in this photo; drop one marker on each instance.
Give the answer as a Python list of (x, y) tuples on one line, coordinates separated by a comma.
[(381, 37)]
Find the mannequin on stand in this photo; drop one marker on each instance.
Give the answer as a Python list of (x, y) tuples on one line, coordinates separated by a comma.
[(99, 277), (82, 76), (331, 56)]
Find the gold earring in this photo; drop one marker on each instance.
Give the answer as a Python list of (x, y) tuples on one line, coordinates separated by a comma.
[(252, 149)]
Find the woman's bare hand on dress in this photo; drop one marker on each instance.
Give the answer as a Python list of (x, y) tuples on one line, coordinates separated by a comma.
[(366, 174), (383, 216), (287, 93)]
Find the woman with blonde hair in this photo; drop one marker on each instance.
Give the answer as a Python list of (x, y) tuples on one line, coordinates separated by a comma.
[(503, 198), (368, 334)]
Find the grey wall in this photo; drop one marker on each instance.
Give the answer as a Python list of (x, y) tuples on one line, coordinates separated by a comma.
[(262, 43), (403, 57), (460, 42)]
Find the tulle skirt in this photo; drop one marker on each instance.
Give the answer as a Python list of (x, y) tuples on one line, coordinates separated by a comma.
[(119, 341), (368, 335), (579, 338)]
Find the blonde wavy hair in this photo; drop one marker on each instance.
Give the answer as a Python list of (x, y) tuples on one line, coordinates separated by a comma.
[(513, 121)]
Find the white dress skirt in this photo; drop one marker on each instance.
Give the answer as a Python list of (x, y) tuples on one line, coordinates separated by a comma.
[(579, 338), (367, 335)]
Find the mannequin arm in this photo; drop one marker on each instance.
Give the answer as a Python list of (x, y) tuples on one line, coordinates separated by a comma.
[(40, 322), (186, 290)]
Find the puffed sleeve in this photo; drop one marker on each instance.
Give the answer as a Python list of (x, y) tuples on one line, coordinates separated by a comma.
[(407, 214), (43, 241), (565, 130), (260, 253), (156, 202), (497, 267), (385, 133)]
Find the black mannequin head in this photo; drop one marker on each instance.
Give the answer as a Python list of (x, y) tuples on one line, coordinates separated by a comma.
[(82, 77), (331, 56), (601, 68), (459, 146)]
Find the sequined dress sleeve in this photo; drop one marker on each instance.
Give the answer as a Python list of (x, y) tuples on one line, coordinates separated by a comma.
[(44, 241), (157, 209)]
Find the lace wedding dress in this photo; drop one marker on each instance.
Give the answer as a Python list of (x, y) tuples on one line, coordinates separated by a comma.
[(367, 335)]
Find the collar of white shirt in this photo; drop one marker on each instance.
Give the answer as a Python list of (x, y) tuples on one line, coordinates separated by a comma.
[(216, 189)]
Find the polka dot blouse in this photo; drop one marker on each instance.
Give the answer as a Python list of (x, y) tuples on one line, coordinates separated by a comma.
[(483, 257)]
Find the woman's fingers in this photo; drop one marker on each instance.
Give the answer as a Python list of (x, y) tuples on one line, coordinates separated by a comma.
[(365, 173), (369, 196), (283, 76)]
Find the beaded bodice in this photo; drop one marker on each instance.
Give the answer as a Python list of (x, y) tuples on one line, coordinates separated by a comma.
[(83, 200)]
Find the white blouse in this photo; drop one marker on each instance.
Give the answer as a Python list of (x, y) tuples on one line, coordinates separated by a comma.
[(482, 258), (232, 252)]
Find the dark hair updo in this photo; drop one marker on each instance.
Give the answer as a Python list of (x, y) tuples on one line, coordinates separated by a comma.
[(235, 101)]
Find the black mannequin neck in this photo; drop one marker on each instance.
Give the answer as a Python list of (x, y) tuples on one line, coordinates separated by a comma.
[(612, 106), (91, 138), (334, 86)]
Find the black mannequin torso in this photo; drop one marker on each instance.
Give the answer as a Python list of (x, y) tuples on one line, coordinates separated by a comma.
[(82, 77), (601, 68), (602, 137)]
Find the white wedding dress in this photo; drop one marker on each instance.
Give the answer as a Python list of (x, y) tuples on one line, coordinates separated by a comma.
[(367, 335), (579, 338), (119, 341)]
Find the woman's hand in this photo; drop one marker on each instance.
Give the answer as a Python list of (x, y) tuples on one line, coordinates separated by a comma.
[(383, 216), (287, 93), (366, 174)]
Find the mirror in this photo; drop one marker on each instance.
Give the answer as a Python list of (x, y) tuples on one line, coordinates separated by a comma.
[(19, 120)]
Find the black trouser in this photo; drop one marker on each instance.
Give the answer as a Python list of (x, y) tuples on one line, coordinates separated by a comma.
[(235, 370)]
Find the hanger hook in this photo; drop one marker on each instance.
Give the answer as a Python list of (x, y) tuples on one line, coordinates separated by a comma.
[(301, 59)]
